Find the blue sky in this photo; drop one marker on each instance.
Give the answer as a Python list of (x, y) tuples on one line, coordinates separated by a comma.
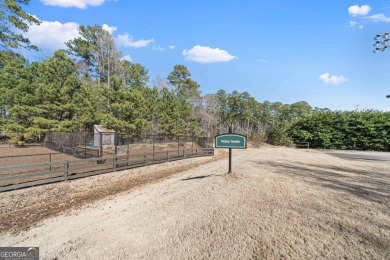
[(319, 51)]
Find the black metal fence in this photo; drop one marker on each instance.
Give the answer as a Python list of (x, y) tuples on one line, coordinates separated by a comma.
[(91, 145), (74, 144)]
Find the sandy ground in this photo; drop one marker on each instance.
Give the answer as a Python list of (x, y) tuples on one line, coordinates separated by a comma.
[(21, 156), (280, 203)]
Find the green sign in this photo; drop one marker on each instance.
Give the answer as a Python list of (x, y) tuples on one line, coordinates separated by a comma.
[(234, 141)]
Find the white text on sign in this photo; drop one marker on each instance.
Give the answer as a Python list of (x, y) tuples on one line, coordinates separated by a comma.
[(230, 141)]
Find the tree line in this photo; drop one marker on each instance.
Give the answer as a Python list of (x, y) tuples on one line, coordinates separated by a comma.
[(360, 130), (90, 83), (72, 91)]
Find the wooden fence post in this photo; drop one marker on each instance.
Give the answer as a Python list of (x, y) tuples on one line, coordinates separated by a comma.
[(66, 169), (100, 144), (114, 160), (153, 147), (116, 143)]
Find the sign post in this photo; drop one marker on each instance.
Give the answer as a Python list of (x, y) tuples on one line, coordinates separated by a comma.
[(230, 153), (231, 141)]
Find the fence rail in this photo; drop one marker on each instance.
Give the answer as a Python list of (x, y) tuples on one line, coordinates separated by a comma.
[(302, 145), (11, 160), (12, 145), (27, 155), (44, 173)]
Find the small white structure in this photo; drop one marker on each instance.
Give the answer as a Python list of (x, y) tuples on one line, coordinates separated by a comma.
[(103, 135)]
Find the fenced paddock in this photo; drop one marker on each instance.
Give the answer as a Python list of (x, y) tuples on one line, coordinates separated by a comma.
[(64, 156), (21, 156), (21, 176), (33, 158)]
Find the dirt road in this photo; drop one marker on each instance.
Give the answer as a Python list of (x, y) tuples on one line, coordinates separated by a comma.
[(280, 203)]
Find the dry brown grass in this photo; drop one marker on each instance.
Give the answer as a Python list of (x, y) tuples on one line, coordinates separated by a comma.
[(279, 204)]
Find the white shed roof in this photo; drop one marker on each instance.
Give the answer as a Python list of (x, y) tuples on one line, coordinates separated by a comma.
[(103, 129)]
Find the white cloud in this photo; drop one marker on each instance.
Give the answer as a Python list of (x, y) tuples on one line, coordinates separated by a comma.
[(332, 80), (82, 4), (203, 54), (354, 24), (262, 60), (379, 18), (52, 35), (157, 48), (126, 40), (109, 29), (356, 10), (172, 47), (127, 57)]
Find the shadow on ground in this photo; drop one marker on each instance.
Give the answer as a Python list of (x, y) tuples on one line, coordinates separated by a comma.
[(357, 183), (367, 185)]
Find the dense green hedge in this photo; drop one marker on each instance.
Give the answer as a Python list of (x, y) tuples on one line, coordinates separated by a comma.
[(361, 130)]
